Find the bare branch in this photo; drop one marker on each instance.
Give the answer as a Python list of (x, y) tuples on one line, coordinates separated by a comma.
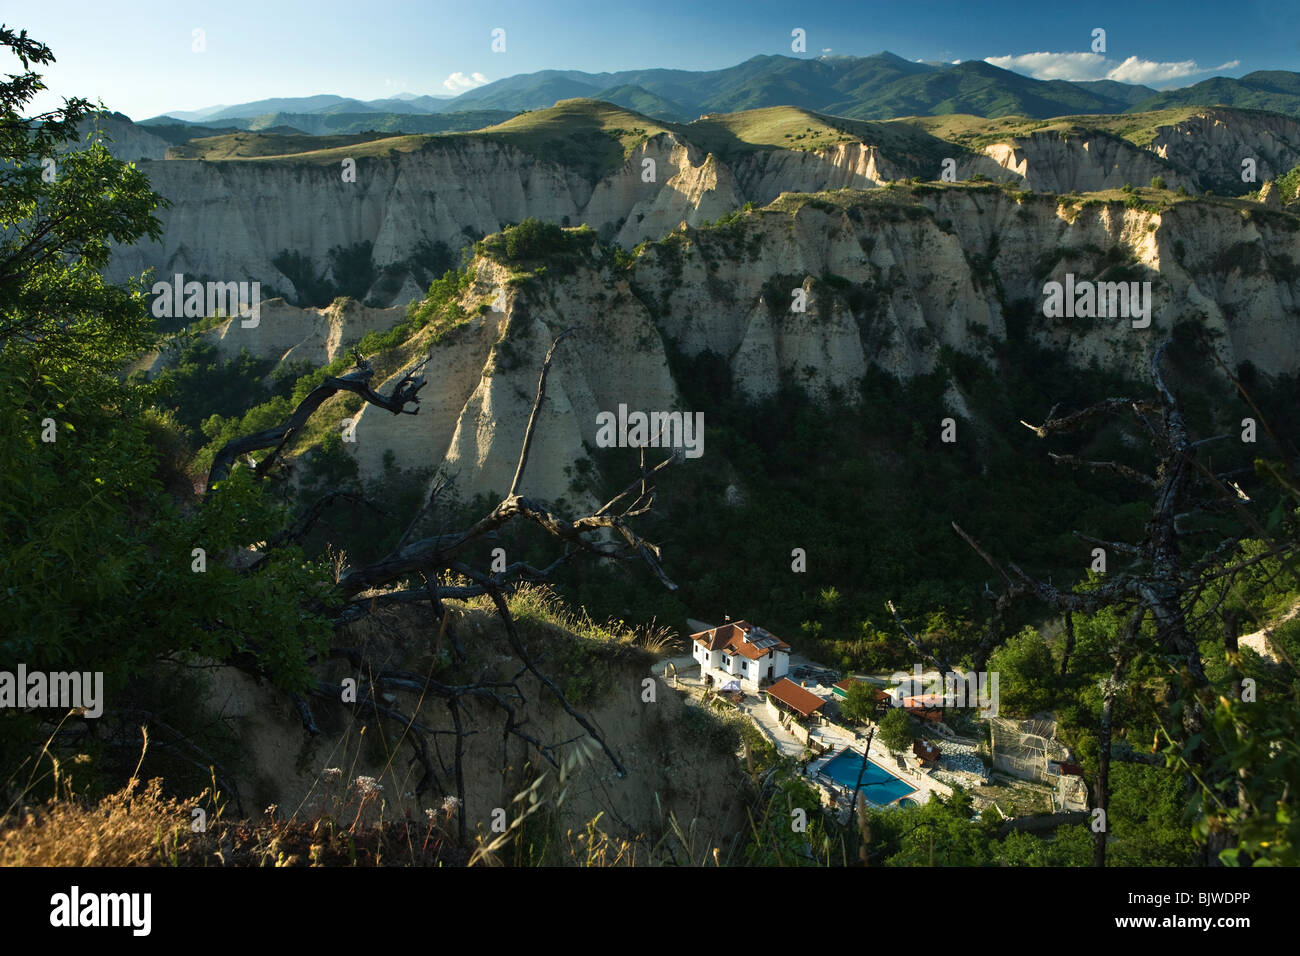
[(1122, 470), (532, 416), (357, 382)]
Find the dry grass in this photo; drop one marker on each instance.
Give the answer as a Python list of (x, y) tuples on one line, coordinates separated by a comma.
[(344, 820), (139, 826), (136, 826)]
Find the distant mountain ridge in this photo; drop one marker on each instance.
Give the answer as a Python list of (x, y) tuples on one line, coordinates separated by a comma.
[(877, 87)]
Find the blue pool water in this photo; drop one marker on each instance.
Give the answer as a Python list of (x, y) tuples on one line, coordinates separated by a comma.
[(879, 786)]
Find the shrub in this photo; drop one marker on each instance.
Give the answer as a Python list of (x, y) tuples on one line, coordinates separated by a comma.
[(896, 731)]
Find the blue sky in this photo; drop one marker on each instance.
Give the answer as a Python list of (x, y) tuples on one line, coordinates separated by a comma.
[(139, 59)]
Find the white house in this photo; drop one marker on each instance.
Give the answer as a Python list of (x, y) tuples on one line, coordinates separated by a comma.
[(741, 651)]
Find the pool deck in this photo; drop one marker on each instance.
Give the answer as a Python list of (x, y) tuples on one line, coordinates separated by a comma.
[(913, 775)]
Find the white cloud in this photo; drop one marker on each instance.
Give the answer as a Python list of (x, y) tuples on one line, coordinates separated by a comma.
[(1134, 70), (1094, 66), (458, 82)]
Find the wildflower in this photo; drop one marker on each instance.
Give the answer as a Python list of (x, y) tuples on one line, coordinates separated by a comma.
[(450, 805), (331, 774), (367, 786), (429, 813)]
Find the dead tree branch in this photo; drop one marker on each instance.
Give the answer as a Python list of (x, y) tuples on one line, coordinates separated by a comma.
[(404, 393)]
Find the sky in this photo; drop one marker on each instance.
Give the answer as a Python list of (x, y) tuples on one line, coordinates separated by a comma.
[(141, 58)]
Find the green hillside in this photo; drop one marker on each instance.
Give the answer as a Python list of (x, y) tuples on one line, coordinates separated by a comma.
[(262, 145), (592, 136)]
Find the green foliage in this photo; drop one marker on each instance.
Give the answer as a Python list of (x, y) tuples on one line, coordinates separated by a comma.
[(352, 267), (791, 829), (1068, 846), (1157, 182), (1026, 674), (330, 465), (310, 287), (441, 299), (859, 704), (200, 384), (1147, 818), (896, 730), (939, 832), (96, 558), (532, 241), (440, 308), (1288, 184)]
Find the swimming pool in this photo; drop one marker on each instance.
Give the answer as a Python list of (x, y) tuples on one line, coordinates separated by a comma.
[(879, 786)]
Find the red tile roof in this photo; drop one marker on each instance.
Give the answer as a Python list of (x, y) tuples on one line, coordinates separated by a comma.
[(923, 701), (925, 750), (732, 637), (794, 696)]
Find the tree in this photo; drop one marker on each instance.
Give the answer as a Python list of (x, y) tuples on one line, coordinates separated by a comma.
[(1026, 674), (896, 730), (859, 703), (1147, 819), (790, 831), (103, 569), (1070, 846), (1173, 598), (937, 833)]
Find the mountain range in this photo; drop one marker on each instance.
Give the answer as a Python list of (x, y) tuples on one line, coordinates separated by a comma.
[(881, 86)]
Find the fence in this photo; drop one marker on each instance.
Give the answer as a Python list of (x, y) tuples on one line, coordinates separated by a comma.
[(1023, 748)]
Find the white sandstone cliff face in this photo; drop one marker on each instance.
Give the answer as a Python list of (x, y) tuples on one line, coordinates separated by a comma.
[(482, 383), (287, 333), (1212, 145), (1050, 162), (1204, 151), (122, 138), (231, 219), (765, 175), (914, 283)]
